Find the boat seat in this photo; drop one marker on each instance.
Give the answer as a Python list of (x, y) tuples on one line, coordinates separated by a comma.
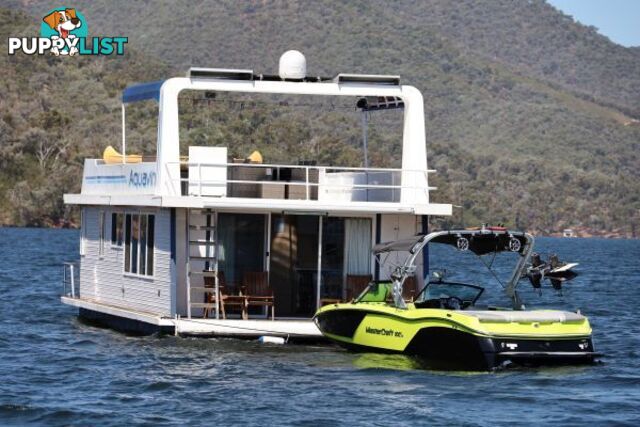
[(525, 316)]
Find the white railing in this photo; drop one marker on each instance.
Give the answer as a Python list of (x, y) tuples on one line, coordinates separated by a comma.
[(70, 282), (301, 182)]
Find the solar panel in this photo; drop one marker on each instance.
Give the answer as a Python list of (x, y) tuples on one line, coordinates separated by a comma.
[(220, 73), (368, 78)]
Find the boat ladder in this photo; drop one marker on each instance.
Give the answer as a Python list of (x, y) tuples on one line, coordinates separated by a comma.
[(202, 262)]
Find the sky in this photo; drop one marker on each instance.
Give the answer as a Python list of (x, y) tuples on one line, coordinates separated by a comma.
[(617, 19)]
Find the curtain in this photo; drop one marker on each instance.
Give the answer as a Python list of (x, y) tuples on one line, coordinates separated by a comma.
[(357, 236), (226, 245)]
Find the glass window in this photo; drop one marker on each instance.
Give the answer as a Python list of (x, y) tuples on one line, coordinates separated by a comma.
[(135, 242), (139, 233), (241, 245), (333, 250), (117, 228), (102, 226), (127, 244), (150, 234), (143, 244)]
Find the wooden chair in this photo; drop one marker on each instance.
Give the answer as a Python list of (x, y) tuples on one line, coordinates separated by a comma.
[(356, 284), (257, 290), (210, 293), (227, 297)]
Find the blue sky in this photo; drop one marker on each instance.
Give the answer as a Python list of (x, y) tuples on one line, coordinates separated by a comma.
[(617, 19)]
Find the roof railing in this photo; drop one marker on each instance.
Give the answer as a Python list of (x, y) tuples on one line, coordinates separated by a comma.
[(302, 182)]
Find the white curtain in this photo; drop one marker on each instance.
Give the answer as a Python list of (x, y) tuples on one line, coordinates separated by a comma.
[(357, 236)]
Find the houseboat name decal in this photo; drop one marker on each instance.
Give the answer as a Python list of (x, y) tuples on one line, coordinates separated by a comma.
[(142, 179)]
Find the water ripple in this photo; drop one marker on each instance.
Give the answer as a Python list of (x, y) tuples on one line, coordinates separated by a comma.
[(56, 370)]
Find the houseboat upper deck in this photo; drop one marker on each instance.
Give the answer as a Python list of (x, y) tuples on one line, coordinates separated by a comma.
[(200, 244)]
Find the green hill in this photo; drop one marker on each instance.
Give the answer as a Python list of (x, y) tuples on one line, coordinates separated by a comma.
[(529, 114)]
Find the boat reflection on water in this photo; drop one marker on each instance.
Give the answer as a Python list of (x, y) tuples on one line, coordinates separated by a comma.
[(400, 362), (397, 362)]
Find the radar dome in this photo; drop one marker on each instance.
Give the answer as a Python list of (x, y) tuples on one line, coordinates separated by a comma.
[(293, 65)]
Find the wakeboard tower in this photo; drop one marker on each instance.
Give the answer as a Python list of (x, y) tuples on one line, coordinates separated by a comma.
[(445, 327)]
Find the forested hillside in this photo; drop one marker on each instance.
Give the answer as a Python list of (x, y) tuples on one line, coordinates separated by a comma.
[(53, 114), (530, 116)]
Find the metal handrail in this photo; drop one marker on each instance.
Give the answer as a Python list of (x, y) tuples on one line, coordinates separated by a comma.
[(302, 183), (69, 279), (273, 165), (200, 182)]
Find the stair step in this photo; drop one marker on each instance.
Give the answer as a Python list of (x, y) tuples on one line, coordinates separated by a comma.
[(202, 227), (203, 273), (201, 242), (203, 289)]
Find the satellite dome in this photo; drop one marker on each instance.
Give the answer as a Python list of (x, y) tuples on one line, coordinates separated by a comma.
[(293, 65)]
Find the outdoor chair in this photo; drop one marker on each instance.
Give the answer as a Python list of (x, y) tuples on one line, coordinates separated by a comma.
[(227, 298), (356, 284), (257, 291)]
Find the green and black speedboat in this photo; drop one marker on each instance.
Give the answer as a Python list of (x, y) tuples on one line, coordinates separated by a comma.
[(445, 326)]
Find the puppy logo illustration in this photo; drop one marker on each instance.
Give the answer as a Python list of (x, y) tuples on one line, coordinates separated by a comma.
[(64, 33), (63, 22)]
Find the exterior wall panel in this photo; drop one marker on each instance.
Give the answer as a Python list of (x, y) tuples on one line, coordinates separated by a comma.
[(102, 278)]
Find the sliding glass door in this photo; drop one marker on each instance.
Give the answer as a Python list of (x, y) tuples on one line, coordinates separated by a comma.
[(294, 264), (242, 246), (344, 246)]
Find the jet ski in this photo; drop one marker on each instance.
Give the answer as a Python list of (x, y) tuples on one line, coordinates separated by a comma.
[(554, 270), (444, 326)]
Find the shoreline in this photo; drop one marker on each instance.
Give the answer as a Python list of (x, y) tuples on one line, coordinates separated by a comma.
[(580, 233)]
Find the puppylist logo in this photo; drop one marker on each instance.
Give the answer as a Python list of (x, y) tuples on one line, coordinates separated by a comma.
[(64, 32)]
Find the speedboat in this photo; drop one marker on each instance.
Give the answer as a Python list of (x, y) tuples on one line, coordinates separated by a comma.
[(444, 325)]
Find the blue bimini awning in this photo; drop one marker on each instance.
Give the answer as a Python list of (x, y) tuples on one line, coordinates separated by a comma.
[(142, 92)]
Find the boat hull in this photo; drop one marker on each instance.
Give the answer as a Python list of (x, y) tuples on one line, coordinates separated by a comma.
[(444, 339)]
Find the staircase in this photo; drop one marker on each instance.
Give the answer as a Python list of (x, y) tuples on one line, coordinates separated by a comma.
[(202, 262)]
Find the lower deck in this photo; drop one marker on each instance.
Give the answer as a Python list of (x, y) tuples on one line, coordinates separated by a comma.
[(144, 323), (208, 264)]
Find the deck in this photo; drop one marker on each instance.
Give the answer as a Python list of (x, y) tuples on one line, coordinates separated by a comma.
[(142, 322)]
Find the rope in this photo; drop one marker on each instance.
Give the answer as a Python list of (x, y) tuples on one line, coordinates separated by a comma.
[(495, 276)]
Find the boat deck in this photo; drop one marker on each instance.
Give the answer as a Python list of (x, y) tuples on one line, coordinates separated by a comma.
[(143, 323)]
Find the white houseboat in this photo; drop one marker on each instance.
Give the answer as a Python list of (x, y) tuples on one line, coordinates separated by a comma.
[(205, 246)]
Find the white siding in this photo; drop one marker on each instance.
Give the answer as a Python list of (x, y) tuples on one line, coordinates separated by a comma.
[(103, 279)]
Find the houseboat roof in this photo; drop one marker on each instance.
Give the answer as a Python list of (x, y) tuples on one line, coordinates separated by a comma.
[(161, 182)]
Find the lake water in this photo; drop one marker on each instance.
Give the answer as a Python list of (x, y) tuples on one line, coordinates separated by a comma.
[(55, 370)]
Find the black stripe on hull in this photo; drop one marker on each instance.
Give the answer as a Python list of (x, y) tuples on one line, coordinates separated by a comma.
[(449, 349), (340, 322), (446, 348)]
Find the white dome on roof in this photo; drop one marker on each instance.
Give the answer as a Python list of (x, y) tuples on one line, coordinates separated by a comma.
[(293, 65)]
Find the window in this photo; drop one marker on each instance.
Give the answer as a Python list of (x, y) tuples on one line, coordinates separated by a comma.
[(139, 230), (117, 218), (102, 225)]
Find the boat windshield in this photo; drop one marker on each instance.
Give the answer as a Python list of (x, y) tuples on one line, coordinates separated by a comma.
[(466, 293)]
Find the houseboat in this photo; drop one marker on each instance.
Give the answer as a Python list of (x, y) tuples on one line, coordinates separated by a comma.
[(200, 245)]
